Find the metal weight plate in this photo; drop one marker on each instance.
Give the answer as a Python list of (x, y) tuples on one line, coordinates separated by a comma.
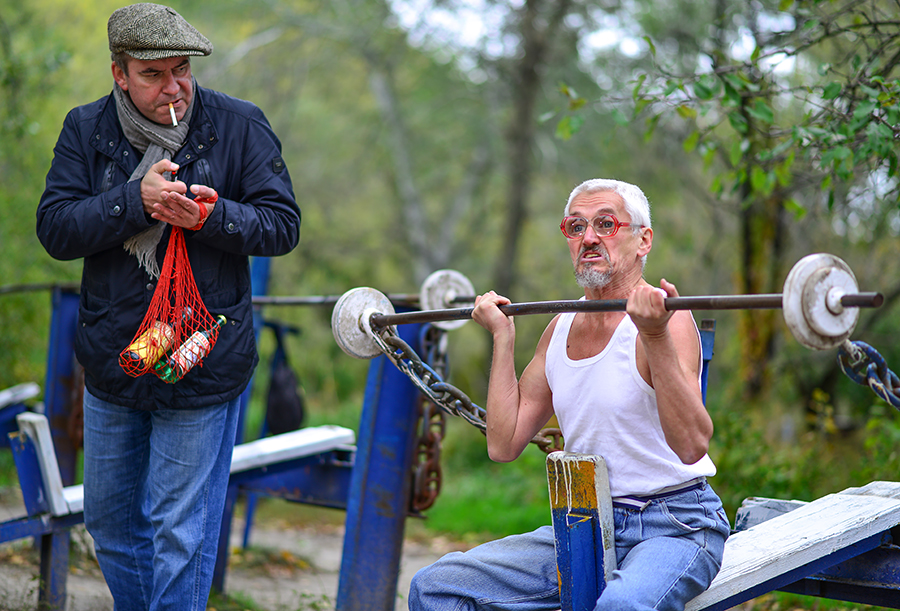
[(812, 301), (440, 289), (348, 325), (822, 302)]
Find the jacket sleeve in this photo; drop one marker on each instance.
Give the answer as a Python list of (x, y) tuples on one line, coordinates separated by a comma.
[(75, 218), (263, 219)]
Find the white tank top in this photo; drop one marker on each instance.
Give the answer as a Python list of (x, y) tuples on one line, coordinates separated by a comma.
[(605, 407)]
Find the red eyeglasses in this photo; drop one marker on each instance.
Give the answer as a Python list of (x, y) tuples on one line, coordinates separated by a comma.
[(604, 225)]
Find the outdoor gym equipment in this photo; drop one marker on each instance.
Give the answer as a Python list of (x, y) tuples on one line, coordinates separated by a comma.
[(821, 302)]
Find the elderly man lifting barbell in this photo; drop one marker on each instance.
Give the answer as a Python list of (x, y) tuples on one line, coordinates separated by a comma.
[(624, 385), (620, 369)]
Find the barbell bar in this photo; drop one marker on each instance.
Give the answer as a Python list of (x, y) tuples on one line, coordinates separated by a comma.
[(439, 290), (771, 301), (409, 299), (821, 303)]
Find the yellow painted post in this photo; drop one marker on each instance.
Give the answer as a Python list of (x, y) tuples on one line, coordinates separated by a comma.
[(582, 526)]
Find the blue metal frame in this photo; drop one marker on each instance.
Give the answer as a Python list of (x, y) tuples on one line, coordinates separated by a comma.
[(707, 343), (8, 421), (380, 488), (872, 578), (61, 381), (259, 281), (59, 390)]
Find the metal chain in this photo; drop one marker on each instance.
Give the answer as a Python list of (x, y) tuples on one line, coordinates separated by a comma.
[(427, 474), (446, 396), (864, 365), (431, 425)]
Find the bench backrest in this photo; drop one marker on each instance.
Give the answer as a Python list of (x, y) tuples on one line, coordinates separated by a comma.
[(36, 427)]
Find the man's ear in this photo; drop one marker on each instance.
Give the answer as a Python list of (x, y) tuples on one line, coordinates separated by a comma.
[(119, 77), (646, 241)]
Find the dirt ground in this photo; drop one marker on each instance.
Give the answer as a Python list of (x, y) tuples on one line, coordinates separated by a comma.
[(287, 567)]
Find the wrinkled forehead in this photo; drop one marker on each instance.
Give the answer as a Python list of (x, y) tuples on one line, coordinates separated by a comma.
[(590, 204)]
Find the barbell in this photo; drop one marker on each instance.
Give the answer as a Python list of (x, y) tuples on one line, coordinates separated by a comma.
[(820, 299)]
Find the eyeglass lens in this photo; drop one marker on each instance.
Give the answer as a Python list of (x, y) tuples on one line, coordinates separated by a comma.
[(603, 225)]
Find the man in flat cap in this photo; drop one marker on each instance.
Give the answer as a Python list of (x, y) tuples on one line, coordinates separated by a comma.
[(157, 455)]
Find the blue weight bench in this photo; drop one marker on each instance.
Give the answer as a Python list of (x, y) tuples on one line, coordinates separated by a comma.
[(839, 546), (53, 508)]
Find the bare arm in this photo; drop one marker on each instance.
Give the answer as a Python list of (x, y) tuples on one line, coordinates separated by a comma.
[(669, 353), (516, 408)]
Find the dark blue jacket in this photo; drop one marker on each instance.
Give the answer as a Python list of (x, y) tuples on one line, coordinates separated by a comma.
[(89, 209)]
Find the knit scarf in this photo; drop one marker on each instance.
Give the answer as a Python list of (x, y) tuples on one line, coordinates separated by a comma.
[(156, 142)]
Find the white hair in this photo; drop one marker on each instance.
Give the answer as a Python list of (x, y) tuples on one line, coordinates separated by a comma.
[(636, 204)]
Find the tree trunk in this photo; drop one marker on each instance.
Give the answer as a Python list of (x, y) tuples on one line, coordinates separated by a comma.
[(525, 88), (762, 230)]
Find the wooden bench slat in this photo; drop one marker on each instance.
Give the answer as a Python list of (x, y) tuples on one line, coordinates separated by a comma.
[(787, 542), (287, 446), (74, 496), (18, 393), (259, 453)]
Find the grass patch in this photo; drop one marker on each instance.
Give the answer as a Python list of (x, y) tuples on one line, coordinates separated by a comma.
[(8, 476), (280, 564), (239, 601), (784, 601), (482, 500)]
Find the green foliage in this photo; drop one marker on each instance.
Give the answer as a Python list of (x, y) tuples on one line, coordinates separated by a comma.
[(571, 122), (842, 120), (29, 64)]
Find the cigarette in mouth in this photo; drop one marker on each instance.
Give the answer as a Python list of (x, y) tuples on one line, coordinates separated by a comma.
[(172, 114)]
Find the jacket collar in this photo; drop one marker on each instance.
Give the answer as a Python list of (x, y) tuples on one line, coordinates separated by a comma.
[(108, 139)]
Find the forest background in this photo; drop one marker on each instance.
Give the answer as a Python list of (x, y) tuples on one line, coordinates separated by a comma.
[(430, 134)]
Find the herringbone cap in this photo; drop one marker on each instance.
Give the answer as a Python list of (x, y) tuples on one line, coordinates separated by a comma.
[(152, 31)]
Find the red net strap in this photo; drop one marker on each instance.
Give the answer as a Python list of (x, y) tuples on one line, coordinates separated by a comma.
[(177, 331)]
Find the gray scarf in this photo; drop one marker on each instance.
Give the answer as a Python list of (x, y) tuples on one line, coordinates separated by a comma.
[(157, 142)]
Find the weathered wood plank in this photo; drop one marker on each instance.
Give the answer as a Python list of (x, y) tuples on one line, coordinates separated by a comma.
[(808, 533), (583, 527), (250, 455), (288, 446)]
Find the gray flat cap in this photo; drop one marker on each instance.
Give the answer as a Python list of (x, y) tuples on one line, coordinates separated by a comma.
[(152, 31)]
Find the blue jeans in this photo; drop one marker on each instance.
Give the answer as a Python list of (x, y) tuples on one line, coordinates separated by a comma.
[(154, 493), (667, 553)]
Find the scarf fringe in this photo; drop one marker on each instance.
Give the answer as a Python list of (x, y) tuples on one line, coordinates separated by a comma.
[(156, 142)]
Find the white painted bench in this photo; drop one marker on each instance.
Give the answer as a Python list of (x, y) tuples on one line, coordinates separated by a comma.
[(784, 541), (18, 393), (65, 500), (790, 541)]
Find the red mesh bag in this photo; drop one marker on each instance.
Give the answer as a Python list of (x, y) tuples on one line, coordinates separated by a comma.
[(178, 331)]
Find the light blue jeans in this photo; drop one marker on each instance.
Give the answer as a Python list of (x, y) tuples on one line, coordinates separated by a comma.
[(154, 493), (667, 553)]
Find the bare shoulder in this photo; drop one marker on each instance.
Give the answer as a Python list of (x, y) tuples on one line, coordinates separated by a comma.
[(684, 332), (682, 321), (546, 335)]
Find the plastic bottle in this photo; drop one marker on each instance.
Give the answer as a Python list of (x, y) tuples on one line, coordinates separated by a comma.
[(146, 351), (188, 354)]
